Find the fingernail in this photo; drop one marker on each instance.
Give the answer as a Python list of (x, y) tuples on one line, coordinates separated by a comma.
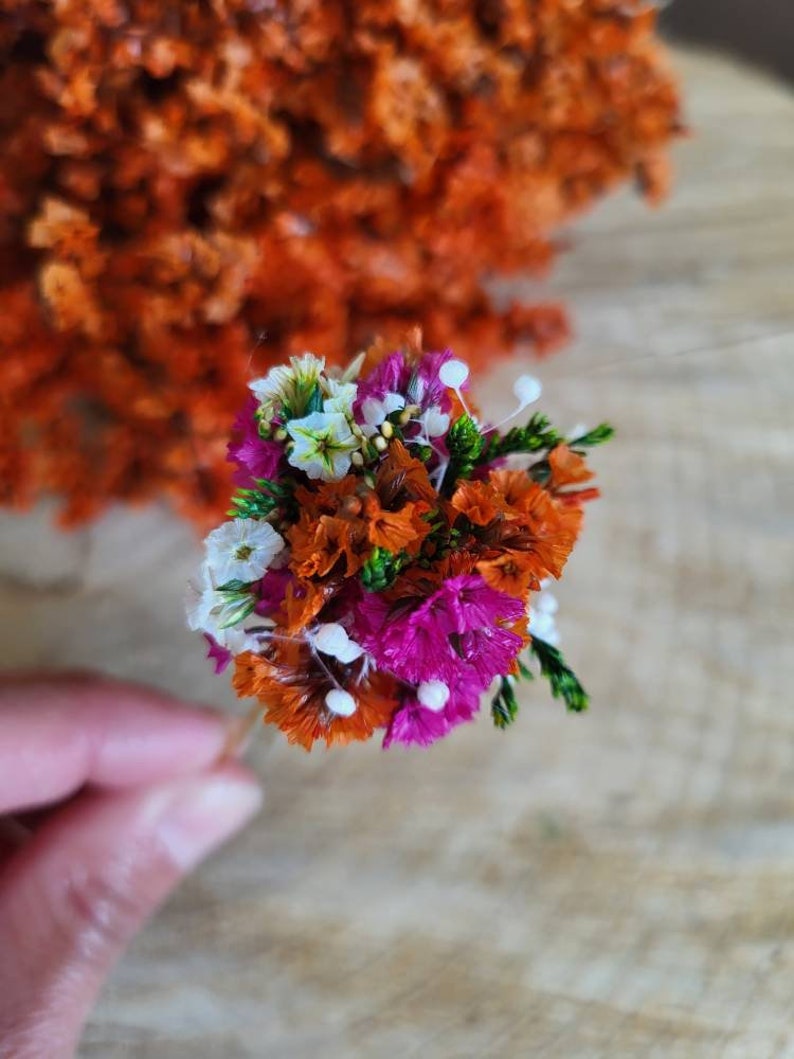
[(196, 816)]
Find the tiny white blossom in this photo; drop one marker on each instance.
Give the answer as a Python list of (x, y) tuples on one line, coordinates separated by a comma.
[(199, 601), (323, 443), (209, 611), (339, 396), (374, 411), (241, 550), (287, 384), (542, 623)]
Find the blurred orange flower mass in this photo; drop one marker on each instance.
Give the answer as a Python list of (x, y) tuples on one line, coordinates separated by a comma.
[(191, 191)]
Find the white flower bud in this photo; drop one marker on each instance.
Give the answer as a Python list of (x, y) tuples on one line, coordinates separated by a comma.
[(340, 702), (527, 389), (330, 638), (350, 652), (453, 374), (433, 695)]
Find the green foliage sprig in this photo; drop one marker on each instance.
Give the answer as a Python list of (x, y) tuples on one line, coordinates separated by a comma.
[(504, 707), (465, 443), (238, 602), (536, 436), (381, 569), (563, 681), (597, 436), (260, 502)]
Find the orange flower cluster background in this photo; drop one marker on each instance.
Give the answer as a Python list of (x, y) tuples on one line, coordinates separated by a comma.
[(191, 191)]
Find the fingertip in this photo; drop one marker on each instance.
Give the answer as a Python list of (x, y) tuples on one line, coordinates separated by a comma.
[(202, 812), (147, 736), (102, 733)]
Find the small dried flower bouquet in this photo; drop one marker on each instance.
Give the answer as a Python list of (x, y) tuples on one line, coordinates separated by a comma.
[(387, 553)]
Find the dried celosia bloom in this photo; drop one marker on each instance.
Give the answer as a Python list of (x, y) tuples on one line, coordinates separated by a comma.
[(382, 564), (188, 190)]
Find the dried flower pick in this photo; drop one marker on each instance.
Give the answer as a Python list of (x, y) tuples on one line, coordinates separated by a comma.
[(387, 554)]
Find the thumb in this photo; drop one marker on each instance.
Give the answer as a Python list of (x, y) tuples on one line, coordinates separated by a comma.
[(73, 897)]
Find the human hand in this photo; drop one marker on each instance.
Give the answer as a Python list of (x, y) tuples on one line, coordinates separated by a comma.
[(111, 794)]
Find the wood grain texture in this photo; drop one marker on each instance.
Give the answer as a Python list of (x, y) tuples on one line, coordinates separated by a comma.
[(615, 885)]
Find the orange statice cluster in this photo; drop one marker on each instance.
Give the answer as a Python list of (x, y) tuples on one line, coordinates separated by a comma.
[(387, 554), (190, 189)]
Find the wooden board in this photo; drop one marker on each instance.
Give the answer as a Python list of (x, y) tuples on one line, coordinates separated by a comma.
[(616, 885)]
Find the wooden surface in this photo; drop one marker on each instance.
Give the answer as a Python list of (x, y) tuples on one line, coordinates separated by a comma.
[(614, 885)]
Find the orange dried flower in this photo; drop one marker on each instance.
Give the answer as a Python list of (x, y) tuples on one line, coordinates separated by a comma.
[(567, 467), (341, 521), (479, 502), (396, 531), (292, 685), (402, 475), (191, 192)]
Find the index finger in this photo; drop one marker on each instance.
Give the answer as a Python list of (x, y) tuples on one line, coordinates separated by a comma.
[(58, 734)]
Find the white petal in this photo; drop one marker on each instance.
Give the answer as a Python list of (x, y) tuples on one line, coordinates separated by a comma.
[(434, 422), (339, 396), (393, 402), (197, 605), (340, 465), (271, 385), (313, 468), (307, 367), (373, 412), (354, 367)]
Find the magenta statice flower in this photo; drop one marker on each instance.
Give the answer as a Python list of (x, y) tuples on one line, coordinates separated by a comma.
[(471, 604), (272, 590), (413, 645), (390, 376), (416, 725), (454, 632), (413, 725), (254, 456), (369, 611), (218, 655), (420, 383), (489, 651), (427, 389), (464, 699)]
